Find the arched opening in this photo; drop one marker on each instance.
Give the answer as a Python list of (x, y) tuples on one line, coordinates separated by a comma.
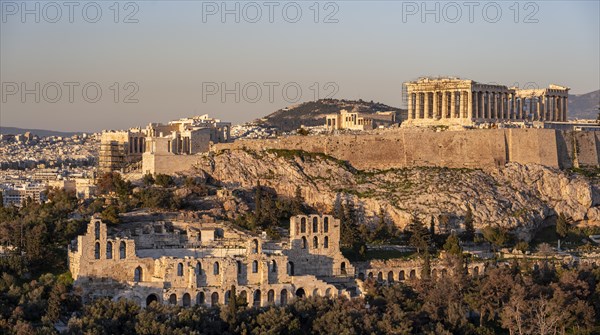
[(180, 269), (283, 297), (370, 275), (343, 268), (256, 300), (401, 275), (227, 296), (97, 250), (300, 293), (361, 276), (137, 274), (315, 242), (150, 299), (303, 242), (244, 297), (413, 274), (326, 225), (254, 246), (315, 225), (216, 268), (476, 271), (303, 225), (108, 250), (273, 266), (122, 250), (328, 292), (390, 277), (444, 273), (97, 230), (187, 300), (315, 293), (326, 242), (198, 268), (290, 268), (173, 299), (380, 276), (271, 297), (214, 299), (239, 267), (200, 298), (254, 266)]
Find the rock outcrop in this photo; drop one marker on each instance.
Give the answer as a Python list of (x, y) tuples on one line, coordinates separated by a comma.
[(519, 197)]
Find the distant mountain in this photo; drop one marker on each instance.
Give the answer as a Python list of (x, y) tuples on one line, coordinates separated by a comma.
[(313, 113), (37, 132), (584, 106)]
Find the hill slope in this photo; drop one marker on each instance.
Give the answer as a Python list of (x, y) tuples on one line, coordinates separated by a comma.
[(313, 113), (584, 106), (37, 132)]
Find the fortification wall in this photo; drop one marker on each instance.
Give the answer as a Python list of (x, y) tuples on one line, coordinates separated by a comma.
[(456, 149)]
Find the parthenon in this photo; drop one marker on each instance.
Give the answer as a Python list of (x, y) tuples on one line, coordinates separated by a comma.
[(447, 101)]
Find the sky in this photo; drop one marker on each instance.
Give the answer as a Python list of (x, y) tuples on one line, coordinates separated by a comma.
[(89, 66)]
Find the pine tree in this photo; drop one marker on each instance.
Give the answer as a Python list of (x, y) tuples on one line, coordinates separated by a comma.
[(426, 269), (432, 228), (298, 202), (452, 245), (258, 201), (562, 227), (419, 235), (469, 233)]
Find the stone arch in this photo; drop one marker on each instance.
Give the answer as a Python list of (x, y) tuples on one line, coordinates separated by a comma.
[(315, 225), (180, 269), (290, 268), (326, 224), (380, 276), (303, 226), (370, 275), (303, 242), (444, 273), (413, 274), (256, 298), (216, 268), (273, 266), (328, 292), (97, 250), (198, 268), (151, 298), (214, 299), (315, 292), (187, 300), (97, 230), (390, 277), (326, 242), (138, 274), (254, 266), (315, 242), (343, 268), (271, 297), (244, 297), (173, 299), (300, 293), (476, 271), (122, 250), (401, 275), (283, 297), (361, 276), (200, 298), (255, 246), (109, 249)]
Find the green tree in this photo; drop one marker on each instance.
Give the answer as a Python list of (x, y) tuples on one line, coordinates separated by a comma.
[(426, 269), (495, 235), (148, 179), (164, 180), (298, 202), (419, 235), (1, 200), (110, 214), (452, 245), (562, 226), (469, 233)]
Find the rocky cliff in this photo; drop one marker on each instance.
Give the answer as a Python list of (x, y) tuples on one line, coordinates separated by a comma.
[(516, 196)]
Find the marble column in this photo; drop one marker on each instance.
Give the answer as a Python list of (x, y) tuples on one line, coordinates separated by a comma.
[(452, 104), (418, 105), (563, 115), (502, 106), (435, 104), (426, 105), (410, 106), (520, 108)]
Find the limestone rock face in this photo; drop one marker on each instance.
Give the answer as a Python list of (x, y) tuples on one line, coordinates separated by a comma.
[(517, 196)]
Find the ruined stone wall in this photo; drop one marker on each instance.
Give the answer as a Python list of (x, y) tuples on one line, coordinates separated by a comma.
[(480, 148)]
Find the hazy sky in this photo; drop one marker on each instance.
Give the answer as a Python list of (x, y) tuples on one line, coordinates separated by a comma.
[(166, 59)]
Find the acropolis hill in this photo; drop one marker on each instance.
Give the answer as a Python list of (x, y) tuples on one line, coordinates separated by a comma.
[(399, 148)]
